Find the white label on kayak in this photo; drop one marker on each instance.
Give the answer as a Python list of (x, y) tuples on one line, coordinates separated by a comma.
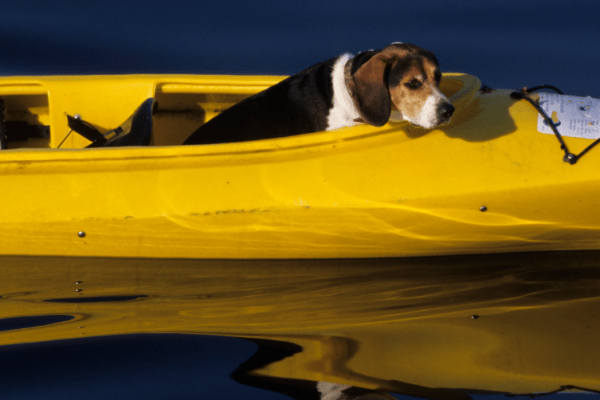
[(573, 116)]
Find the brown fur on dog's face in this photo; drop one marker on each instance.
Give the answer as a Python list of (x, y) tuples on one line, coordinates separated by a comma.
[(405, 78)]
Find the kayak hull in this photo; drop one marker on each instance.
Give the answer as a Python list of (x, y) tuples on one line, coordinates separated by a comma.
[(487, 182)]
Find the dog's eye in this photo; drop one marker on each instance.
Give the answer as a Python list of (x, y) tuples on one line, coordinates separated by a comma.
[(413, 84)]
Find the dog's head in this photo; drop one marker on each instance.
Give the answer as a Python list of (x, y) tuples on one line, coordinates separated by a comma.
[(402, 77)]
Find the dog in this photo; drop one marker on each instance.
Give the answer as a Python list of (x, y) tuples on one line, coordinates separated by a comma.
[(398, 82)]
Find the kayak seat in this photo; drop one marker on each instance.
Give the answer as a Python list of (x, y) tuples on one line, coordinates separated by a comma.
[(135, 131)]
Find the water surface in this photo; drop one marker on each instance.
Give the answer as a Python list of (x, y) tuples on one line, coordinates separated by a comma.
[(437, 328)]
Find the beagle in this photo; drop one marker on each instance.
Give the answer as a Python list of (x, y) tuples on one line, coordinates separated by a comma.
[(398, 82)]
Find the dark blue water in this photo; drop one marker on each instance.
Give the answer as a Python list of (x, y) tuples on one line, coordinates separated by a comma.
[(507, 44)]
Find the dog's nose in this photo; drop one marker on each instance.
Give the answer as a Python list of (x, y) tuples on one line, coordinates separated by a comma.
[(445, 111)]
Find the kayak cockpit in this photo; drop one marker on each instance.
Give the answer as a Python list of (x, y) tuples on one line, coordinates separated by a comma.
[(72, 112)]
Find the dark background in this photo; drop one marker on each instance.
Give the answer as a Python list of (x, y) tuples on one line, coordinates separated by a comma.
[(507, 44)]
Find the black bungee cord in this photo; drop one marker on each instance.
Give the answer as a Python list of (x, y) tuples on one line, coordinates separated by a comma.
[(524, 94)]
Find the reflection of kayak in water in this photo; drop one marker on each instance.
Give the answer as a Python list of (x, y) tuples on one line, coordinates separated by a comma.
[(489, 181), (395, 325)]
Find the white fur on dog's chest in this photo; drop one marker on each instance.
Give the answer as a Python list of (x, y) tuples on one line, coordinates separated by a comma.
[(343, 113)]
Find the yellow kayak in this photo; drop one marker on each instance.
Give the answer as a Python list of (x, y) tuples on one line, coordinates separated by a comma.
[(489, 181)]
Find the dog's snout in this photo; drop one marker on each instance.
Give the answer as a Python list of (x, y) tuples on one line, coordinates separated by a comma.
[(445, 110)]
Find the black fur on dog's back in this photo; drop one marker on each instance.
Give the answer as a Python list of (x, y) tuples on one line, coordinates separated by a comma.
[(285, 109)]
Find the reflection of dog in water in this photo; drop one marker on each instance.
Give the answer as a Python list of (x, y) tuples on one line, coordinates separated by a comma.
[(271, 351), (337, 391)]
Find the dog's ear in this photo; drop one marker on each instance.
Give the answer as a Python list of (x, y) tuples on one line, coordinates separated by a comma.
[(370, 91)]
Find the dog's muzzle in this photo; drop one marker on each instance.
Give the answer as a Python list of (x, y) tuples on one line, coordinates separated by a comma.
[(444, 112)]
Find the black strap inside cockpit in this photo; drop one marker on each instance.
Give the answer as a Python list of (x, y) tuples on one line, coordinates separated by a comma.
[(135, 131)]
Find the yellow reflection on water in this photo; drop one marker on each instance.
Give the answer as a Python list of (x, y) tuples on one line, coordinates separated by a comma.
[(517, 323)]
